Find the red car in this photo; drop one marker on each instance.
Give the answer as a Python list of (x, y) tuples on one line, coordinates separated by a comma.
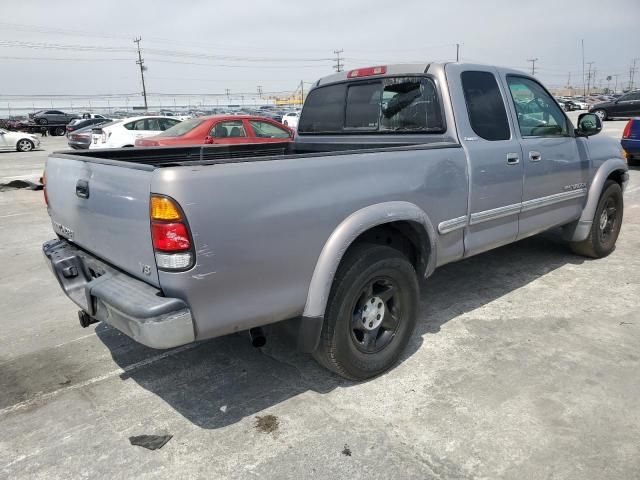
[(220, 129)]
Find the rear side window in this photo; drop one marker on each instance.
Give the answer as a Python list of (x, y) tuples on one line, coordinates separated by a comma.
[(487, 114), (402, 105), (232, 129), (267, 130)]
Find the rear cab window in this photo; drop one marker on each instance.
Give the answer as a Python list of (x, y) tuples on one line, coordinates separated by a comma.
[(407, 104)]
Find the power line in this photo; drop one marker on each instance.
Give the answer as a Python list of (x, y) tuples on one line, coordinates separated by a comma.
[(338, 66), (142, 69)]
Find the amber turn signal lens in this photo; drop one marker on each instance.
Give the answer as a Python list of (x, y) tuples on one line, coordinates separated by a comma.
[(164, 209)]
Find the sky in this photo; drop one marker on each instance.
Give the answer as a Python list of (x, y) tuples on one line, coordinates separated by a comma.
[(60, 53)]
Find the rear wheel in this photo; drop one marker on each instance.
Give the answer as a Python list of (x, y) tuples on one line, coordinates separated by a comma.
[(371, 312), (43, 121), (606, 224), (24, 145), (59, 131)]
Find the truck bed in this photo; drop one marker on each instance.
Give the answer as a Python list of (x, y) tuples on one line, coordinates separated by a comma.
[(150, 157)]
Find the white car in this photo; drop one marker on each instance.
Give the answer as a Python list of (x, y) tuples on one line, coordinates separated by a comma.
[(581, 105), (124, 133), (19, 141), (291, 119)]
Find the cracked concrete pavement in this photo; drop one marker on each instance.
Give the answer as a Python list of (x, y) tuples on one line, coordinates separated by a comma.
[(524, 364)]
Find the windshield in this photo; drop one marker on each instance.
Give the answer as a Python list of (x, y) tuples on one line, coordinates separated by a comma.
[(181, 128)]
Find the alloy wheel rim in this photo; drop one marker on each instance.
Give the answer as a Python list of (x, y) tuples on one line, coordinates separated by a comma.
[(25, 145), (376, 315), (608, 219)]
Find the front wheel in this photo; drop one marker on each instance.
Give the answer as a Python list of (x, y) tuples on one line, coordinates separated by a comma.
[(43, 121), (25, 145), (606, 224), (602, 114), (371, 312)]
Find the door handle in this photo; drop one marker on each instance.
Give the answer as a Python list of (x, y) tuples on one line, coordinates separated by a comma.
[(535, 156), (512, 159)]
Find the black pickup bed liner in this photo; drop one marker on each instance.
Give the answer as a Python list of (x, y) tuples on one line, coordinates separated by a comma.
[(215, 154)]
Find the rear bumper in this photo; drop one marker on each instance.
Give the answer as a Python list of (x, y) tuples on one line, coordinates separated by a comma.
[(135, 308), (631, 146), (78, 145)]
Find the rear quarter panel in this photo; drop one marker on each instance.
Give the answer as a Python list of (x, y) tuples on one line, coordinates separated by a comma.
[(259, 227)]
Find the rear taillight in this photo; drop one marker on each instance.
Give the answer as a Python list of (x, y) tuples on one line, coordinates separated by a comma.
[(627, 129), (170, 235)]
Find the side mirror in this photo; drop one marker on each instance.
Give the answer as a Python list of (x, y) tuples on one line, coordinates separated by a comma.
[(588, 124), (208, 140)]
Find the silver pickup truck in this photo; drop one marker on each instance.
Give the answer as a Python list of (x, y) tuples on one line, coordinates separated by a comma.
[(395, 170)]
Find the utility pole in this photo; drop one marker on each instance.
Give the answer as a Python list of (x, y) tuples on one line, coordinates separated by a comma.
[(569, 80), (260, 91), (589, 78), (227, 92), (615, 89), (533, 65), (457, 52), (301, 92), (584, 88), (338, 66), (140, 62), (632, 74)]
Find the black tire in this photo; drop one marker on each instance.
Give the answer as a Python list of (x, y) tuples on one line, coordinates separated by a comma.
[(59, 131), (42, 121), (604, 232), (368, 272), (24, 145), (602, 114)]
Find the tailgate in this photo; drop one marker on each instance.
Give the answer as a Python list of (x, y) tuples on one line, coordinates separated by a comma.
[(105, 210)]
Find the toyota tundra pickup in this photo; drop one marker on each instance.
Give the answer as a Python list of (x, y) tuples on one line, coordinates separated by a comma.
[(395, 170)]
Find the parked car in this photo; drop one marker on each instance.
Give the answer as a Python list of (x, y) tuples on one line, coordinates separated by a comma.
[(19, 141), (581, 104), (570, 106), (631, 140), (45, 117), (80, 123), (88, 115), (124, 133), (627, 105), (291, 119), (80, 139), (220, 129), (395, 171)]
